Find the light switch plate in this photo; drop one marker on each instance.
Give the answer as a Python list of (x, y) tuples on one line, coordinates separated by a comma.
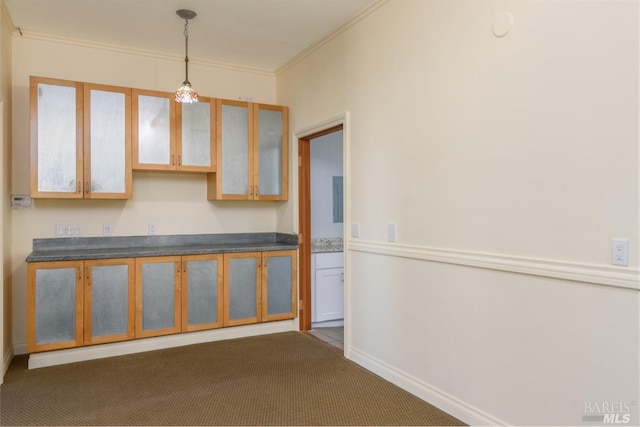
[(355, 230), (392, 232)]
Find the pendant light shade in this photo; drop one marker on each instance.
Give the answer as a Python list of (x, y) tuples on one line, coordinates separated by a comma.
[(186, 94)]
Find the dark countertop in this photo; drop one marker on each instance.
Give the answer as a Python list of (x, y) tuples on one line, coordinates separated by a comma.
[(81, 248)]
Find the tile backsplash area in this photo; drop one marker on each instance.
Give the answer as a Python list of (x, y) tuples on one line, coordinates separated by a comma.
[(326, 244)]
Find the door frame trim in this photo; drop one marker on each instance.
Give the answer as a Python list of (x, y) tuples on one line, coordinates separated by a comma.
[(303, 214)]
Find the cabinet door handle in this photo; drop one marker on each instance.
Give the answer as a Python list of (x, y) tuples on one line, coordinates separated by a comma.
[(342, 277), (184, 266), (78, 187), (86, 187), (173, 157), (79, 273), (251, 190), (86, 272), (178, 267), (179, 160), (257, 190)]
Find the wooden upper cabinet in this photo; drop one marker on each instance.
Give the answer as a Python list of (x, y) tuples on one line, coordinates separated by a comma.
[(252, 152), (107, 142), (195, 136), (80, 140), (56, 138), (169, 136), (152, 124), (270, 146)]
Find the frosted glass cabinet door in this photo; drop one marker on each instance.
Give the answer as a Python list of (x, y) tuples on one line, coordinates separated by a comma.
[(54, 305), (271, 146), (202, 290), (152, 125), (279, 274), (195, 136), (56, 138), (107, 142), (234, 172), (109, 300), (157, 296), (242, 288)]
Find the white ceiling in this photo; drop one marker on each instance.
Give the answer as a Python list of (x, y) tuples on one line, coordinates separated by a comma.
[(260, 34)]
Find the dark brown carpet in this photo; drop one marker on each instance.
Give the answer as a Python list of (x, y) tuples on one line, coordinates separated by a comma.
[(279, 379)]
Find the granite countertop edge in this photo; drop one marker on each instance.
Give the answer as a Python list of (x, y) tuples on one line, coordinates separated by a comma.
[(99, 248)]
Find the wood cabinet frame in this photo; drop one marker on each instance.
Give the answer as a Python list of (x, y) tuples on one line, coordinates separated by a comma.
[(32, 269), (265, 281), (185, 292), (33, 137), (88, 87), (130, 263), (249, 320), (214, 181), (135, 127), (212, 141), (176, 260)]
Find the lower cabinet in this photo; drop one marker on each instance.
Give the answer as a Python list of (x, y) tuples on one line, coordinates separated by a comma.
[(76, 303), (202, 301), (157, 296), (260, 287)]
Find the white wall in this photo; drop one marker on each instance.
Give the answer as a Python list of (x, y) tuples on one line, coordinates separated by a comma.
[(6, 27), (175, 202), (326, 162), (508, 165)]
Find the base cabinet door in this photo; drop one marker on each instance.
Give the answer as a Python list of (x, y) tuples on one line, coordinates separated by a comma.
[(202, 292), (242, 288), (109, 300), (54, 306), (279, 283), (158, 299)]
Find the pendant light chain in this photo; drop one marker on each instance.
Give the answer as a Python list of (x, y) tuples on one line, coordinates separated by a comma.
[(186, 50), (185, 93)]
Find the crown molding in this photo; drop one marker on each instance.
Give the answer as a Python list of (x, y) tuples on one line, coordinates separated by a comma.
[(317, 45), (34, 35)]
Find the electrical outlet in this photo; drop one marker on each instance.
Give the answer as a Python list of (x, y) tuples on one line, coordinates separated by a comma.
[(620, 252), (151, 229), (67, 230), (106, 230)]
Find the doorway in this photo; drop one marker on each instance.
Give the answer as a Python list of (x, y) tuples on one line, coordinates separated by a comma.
[(321, 225)]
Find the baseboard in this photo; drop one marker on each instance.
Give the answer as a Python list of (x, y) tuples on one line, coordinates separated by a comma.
[(441, 400), (59, 357), (19, 348), (6, 361)]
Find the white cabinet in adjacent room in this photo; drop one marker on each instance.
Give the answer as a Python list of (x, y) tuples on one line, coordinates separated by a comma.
[(328, 287)]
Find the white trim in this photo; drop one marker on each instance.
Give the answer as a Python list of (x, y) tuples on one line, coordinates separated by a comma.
[(19, 348), (33, 35), (52, 358), (436, 397), (317, 45), (585, 273), (344, 120), (6, 361)]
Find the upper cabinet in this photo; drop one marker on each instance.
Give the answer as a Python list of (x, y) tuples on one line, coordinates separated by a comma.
[(153, 121), (172, 136), (195, 136), (86, 139), (252, 152), (80, 140)]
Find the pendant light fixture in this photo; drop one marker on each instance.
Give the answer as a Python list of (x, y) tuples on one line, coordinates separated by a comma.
[(185, 93)]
